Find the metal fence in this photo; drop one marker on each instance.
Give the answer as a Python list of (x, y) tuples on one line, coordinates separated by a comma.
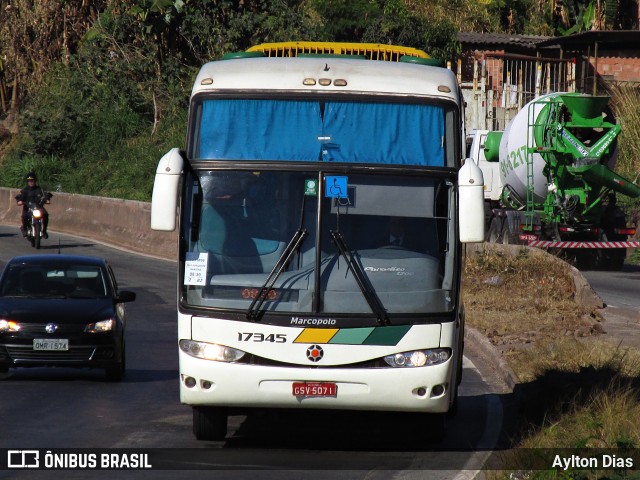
[(501, 84)]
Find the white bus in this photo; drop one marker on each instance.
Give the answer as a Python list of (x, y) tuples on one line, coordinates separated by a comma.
[(322, 202)]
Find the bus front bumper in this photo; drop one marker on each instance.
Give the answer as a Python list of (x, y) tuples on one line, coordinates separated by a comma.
[(418, 389)]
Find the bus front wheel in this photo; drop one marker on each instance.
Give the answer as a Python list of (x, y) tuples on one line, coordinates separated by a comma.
[(210, 423)]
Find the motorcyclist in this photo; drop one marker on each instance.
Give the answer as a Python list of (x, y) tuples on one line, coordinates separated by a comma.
[(30, 194)]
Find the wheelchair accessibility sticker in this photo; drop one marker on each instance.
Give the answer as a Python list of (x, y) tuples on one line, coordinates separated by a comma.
[(336, 187)]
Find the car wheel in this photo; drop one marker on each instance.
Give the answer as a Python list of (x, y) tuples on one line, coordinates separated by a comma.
[(115, 372), (4, 371), (210, 423)]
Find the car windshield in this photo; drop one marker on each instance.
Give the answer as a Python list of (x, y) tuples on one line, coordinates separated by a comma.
[(325, 243), (67, 281)]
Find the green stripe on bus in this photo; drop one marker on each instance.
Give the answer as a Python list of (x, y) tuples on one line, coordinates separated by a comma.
[(387, 335), (352, 336)]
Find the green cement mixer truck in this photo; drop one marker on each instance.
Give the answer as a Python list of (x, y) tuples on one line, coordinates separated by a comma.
[(556, 160)]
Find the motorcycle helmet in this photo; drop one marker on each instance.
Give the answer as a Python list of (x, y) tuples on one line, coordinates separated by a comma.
[(30, 176)]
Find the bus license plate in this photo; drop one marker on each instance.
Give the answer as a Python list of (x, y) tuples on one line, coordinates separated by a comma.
[(56, 344), (315, 389)]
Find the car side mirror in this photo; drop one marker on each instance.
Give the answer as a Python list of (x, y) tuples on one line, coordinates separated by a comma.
[(125, 296)]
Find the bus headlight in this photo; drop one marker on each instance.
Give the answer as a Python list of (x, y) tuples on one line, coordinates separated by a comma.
[(211, 351), (419, 358)]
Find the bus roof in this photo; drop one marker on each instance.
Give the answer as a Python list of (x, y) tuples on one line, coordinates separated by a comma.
[(325, 75)]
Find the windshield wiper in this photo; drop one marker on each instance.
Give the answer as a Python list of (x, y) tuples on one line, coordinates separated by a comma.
[(278, 268), (363, 282)]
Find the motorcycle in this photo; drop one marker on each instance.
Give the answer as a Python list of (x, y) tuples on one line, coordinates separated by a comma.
[(35, 226)]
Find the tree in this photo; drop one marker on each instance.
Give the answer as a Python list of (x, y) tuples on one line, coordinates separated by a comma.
[(399, 26), (35, 35), (465, 15), (347, 20)]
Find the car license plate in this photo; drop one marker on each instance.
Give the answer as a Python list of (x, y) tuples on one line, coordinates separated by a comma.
[(315, 389), (51, 344)]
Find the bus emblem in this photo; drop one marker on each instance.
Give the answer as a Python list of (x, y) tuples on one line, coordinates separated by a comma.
[(315, 353)]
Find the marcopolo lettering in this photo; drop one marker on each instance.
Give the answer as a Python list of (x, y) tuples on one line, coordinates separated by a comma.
[(312, 321)]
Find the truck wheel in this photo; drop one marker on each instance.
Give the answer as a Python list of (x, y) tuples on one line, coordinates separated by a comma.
[(210, 423), (612, 259), (586, 259), (507, 237), (494, 234)]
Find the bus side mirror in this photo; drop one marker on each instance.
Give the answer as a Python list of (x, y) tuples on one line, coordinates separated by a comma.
[(471, 203), (164, 200)]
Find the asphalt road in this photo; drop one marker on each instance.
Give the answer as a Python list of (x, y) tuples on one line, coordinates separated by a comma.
[(620, 291), (44, 408), (617, 289)]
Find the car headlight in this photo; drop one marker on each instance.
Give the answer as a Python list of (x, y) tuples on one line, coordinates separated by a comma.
[(419, 358), (101, 326), (211, 351), (9, 326)]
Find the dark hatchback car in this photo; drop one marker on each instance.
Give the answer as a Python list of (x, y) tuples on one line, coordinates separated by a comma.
[(62, 311)]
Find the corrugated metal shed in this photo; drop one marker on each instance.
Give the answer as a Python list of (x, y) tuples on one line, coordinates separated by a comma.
[(500, 41), (618, 39)]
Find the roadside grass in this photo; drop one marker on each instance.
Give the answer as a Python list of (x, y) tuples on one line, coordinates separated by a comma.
[(574, 390), (519, 296), (606, 419), (625, 102)]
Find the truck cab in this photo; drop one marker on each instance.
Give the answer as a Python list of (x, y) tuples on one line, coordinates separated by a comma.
[(490, 170)]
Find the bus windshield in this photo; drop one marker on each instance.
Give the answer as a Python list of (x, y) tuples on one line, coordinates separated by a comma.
[(324, 131), (318, 242)]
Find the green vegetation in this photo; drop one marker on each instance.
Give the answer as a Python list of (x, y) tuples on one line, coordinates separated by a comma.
[(626, 106), (99, 89), (106, 96), (575, 390)]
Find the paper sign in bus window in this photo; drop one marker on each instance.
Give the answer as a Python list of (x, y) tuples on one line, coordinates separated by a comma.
[(195, 268)]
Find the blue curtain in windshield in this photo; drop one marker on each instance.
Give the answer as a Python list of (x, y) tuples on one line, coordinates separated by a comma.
[(260, 129), (349, 132), (384, 133)]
